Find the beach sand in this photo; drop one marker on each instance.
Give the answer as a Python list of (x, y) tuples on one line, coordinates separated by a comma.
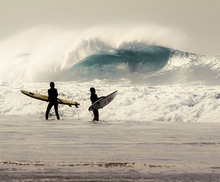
[(33, 149)]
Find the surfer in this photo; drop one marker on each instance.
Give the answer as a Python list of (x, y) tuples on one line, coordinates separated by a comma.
[(52, 99), (94, 98)]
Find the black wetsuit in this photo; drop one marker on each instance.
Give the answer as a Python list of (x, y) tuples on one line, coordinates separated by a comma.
[(52, 98), (94, 98)]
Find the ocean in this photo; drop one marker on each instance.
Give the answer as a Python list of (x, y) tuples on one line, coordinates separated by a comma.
[(163, 124)]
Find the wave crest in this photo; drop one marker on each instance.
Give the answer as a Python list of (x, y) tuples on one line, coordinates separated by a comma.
[(119, 63), (146, 64)]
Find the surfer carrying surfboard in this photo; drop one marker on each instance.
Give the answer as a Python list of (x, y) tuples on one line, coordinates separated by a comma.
[(94, 98), (52, 99), (99, 103)]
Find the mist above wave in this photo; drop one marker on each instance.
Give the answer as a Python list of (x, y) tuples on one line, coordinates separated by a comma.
[(41, 53), (136, 53)]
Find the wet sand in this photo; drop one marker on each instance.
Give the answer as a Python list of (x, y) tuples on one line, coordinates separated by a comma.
[(75, 150)]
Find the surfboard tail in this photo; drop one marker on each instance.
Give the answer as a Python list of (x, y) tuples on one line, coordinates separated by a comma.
[(77, 105)]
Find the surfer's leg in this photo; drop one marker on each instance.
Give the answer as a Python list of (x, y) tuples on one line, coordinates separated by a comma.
[(96, 115), (48, 110), (56, 111)]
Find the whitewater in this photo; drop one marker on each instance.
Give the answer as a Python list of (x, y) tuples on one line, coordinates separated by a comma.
[(163, 124), (152, 80)]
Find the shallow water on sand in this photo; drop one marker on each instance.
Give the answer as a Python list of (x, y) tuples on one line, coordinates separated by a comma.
[(38, 150)]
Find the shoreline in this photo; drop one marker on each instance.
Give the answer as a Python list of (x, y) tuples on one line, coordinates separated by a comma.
[(37, 150), (100, 173)]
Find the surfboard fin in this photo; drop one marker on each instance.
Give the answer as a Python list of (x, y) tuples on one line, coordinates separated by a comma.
[(76, 105)]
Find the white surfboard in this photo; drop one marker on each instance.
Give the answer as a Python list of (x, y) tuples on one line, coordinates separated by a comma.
[(103, 101)]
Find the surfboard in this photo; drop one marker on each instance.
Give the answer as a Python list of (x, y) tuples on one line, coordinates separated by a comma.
[(45, 98), (102, 102)]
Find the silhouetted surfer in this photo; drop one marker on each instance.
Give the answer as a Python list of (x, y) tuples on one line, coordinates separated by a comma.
[(52, 99), (94, 98)]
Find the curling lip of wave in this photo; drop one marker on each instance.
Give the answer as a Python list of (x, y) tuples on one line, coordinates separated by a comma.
[(120, 62), (147, 64)]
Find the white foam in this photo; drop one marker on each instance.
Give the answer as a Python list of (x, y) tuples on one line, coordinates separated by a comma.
[(177, 103)]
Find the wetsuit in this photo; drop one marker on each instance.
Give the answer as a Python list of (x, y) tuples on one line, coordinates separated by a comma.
[(94, 98), (52, 98)]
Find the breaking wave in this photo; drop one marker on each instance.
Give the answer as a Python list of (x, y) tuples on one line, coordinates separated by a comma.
[(53, 56), (146, 64)]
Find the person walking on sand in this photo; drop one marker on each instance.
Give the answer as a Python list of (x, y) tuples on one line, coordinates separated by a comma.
[(94, 98), (52, 99)]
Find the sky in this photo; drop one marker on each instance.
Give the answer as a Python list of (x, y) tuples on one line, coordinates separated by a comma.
[(197, 20)]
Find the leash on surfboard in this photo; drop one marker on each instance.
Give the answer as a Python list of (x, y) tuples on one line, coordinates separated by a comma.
[(78, 114), (91, 114)]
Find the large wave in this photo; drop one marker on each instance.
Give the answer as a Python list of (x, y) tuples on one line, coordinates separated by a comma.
[(121, 63), (53, 56), (146, 64)]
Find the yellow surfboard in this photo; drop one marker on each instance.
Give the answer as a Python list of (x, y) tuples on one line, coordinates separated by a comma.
[(45, 98)]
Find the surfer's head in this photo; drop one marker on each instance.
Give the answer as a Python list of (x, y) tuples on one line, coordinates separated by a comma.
[(92, 90), (52, 85)]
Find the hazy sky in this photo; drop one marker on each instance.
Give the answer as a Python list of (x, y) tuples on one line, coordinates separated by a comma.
[(199, 20)]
